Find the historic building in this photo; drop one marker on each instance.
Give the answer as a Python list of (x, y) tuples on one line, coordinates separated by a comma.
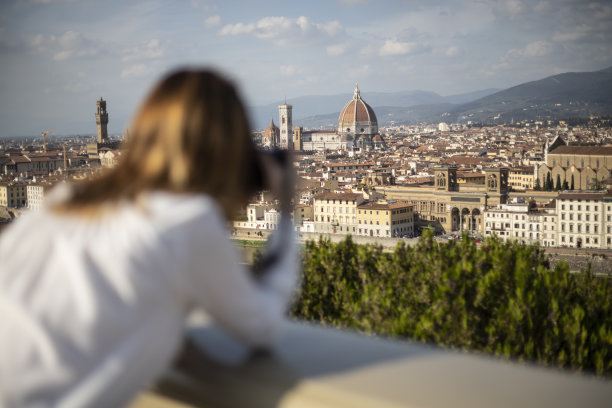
[(385, 219), (285, 116), (450, 206), (336, 212), (102, 140), (581, 167), (357, 128), (271, 136), (357, 123)]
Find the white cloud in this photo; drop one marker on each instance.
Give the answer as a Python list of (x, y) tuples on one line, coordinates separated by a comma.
[(71, 44), (453, 51), (360, 72), (212, 22), (152, 49), (282, 30), (532, 52), (135, 71), (396, 47), (289, 70), (336, 49)]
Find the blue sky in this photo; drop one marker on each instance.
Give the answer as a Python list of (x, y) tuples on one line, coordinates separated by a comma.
[(58, 56)]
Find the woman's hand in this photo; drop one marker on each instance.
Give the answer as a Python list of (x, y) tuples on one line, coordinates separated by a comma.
[(279, 178)]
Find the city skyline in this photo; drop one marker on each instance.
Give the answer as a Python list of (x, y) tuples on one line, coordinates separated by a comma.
[(59, 56)]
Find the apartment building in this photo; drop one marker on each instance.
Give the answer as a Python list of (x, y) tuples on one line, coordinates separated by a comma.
[(385, 219), (336, 212), (13, 195), (35, 195), (521, 178), (581, 216), (518, 220)]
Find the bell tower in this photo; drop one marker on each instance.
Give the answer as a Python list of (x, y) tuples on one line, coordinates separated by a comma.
[(286, 126), (101, 120), (445, 178)]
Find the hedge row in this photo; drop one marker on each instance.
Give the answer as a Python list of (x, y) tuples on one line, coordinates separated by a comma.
[(500, 298)]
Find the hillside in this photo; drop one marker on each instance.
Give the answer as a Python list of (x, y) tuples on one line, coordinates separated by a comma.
[(323, 110), (562, 96)]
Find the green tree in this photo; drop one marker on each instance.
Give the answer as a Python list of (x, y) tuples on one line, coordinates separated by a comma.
[(537, 187), (558, 185), (501, 298), (572, 185), (549, 184), (565, 185)]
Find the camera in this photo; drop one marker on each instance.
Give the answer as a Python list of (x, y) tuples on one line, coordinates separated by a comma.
[(280, 156)]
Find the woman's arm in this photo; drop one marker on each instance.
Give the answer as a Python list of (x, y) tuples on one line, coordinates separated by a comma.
[(250, 308)]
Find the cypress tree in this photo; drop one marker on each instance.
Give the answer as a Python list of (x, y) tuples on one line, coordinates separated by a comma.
[(558, 185), (549, 185), (572, 186), (565, 185), (537, 187)]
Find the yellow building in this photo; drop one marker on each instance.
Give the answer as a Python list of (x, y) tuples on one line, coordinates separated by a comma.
[(385, 219), (521, 178)]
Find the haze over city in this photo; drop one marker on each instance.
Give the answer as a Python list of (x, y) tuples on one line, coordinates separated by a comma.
[(57, 56)]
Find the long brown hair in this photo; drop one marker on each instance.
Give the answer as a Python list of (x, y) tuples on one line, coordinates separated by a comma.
[(190, 135)]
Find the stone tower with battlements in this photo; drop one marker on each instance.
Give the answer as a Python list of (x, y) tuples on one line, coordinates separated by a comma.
[(102, 120)]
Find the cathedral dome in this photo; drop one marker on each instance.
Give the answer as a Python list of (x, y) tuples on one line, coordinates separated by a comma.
[(357, 122), (356, 111)]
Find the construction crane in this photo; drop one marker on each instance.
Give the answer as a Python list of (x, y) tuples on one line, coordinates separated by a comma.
[(44, 135)]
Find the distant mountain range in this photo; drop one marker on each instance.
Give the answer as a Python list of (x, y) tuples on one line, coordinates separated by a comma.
[(562, 96)]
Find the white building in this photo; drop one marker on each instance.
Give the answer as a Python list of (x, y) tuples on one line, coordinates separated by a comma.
[(583, 219), (35, 195), (336, 212), (514, 221)]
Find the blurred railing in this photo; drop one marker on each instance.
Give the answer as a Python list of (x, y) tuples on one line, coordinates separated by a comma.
[(313, 366)]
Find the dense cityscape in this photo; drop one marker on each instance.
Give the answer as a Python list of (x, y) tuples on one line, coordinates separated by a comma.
[(540, 182)]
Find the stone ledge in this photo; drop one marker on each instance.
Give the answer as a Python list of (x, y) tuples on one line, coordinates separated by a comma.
[(313, 366)]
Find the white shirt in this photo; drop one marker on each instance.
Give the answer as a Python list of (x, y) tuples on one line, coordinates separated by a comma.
[(93, 309)]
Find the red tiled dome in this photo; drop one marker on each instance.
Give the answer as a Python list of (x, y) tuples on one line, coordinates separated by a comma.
[(356, 111)]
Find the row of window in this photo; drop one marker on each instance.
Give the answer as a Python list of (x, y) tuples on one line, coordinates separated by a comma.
[(587, 228), (579, 207), (579, 217)]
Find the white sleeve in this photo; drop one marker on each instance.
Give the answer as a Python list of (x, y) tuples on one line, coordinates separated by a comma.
[(250, 309)]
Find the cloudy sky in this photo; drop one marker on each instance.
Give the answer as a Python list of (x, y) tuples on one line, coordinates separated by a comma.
[(58, 56)]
